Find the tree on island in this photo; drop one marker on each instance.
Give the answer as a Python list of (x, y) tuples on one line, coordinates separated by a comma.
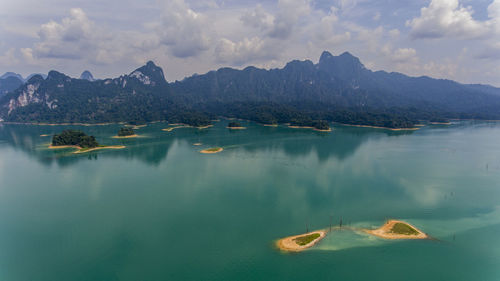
[(308, 122), (123, 132), (74, 137), (234, 125), (321, 125)]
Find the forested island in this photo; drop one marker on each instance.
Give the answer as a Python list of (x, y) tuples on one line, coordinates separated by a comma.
[(318, 125), (126, 132), (299, 243), (79, 140), (235, 126), (396, 229), (212, 150), (74, 138)]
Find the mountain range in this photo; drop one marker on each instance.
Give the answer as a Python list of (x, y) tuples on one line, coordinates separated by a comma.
[(336, 88)]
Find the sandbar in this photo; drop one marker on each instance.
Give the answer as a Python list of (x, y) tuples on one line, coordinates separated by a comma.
[(309, 127), (63, 146), (126, 137), (386, 232), (385, 128), (440, 123), (204, 127), (84, 150), (212, 150), (270, 125), (172, 128), (197, 144), (185, 126), (136, 127), (45, 135), (289, 244), (236, 128)]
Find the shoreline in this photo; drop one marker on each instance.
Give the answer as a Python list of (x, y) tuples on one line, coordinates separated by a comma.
[(173, 128), (125, 137), (377, 127), (83, 150), (202, 127), (309, 127), (289, 245), (81, 124), (440, 123), (178, 126), (209, 151), (385, 231)]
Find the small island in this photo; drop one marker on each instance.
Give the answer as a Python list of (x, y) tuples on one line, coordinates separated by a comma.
[(235, 126), (79, 140), (439, 121), (317, 125), (212, 150), (396, 229), (170, 129), (300, 242), (126, 132)]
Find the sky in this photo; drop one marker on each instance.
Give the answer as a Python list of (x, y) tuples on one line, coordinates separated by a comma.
[(451, 39)]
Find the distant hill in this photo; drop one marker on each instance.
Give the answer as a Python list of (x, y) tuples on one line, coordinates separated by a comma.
[(20, 77), (9, 84), (337, 88), (86, 75), (12, 74), (33, 74)]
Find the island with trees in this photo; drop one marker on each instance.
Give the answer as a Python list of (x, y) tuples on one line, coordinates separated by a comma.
[(78, 140), (235, 126), (298, 243), (317, 125), (126, 132), (396, 229), (212, 150)]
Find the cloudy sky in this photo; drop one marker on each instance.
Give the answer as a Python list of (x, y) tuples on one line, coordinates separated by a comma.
[(455, 39)]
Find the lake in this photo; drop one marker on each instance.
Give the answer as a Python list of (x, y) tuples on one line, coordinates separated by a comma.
[(160, 210)]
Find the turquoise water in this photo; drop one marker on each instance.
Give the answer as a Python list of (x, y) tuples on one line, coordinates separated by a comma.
[(160, 210)]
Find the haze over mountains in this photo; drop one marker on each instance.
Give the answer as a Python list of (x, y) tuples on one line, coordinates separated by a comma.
[(337, 88)]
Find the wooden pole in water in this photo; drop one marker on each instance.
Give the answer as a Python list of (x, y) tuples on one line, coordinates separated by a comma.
[(340, 222), (330, 223)]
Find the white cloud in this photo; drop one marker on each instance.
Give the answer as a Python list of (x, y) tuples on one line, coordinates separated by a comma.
[(404, 55), (394, 33), (447, 18), (247, 50), (27, 54), (69, 39), (184, 31), (258, 18), (9, 57), (78, 38), (324, 32), (290, 13), (494, 15)]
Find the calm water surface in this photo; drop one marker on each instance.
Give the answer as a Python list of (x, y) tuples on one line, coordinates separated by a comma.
[(160, 210)]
